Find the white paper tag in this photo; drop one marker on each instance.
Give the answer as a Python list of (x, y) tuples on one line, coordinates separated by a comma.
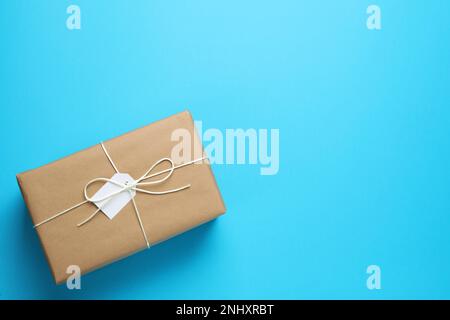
[(117, 202)]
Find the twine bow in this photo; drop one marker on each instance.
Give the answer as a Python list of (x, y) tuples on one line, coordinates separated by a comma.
[(127, 187)]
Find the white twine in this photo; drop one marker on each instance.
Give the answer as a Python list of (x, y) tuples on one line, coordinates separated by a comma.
[(129, 187)]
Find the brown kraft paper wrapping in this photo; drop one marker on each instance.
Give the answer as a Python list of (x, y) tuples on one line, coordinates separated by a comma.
[(59, 185)]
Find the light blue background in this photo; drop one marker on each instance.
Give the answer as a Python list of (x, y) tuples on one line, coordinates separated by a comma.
[(363, 117)]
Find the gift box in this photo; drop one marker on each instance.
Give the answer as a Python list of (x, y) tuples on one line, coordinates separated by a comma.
[(121, 196)]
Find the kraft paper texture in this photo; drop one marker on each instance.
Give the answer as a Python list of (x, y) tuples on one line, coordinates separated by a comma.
[(59, 185)]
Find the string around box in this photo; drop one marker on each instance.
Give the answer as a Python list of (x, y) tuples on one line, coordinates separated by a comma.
[(127, 187)]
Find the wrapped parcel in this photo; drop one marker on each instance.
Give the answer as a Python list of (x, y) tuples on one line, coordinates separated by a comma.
[(146, 219)]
